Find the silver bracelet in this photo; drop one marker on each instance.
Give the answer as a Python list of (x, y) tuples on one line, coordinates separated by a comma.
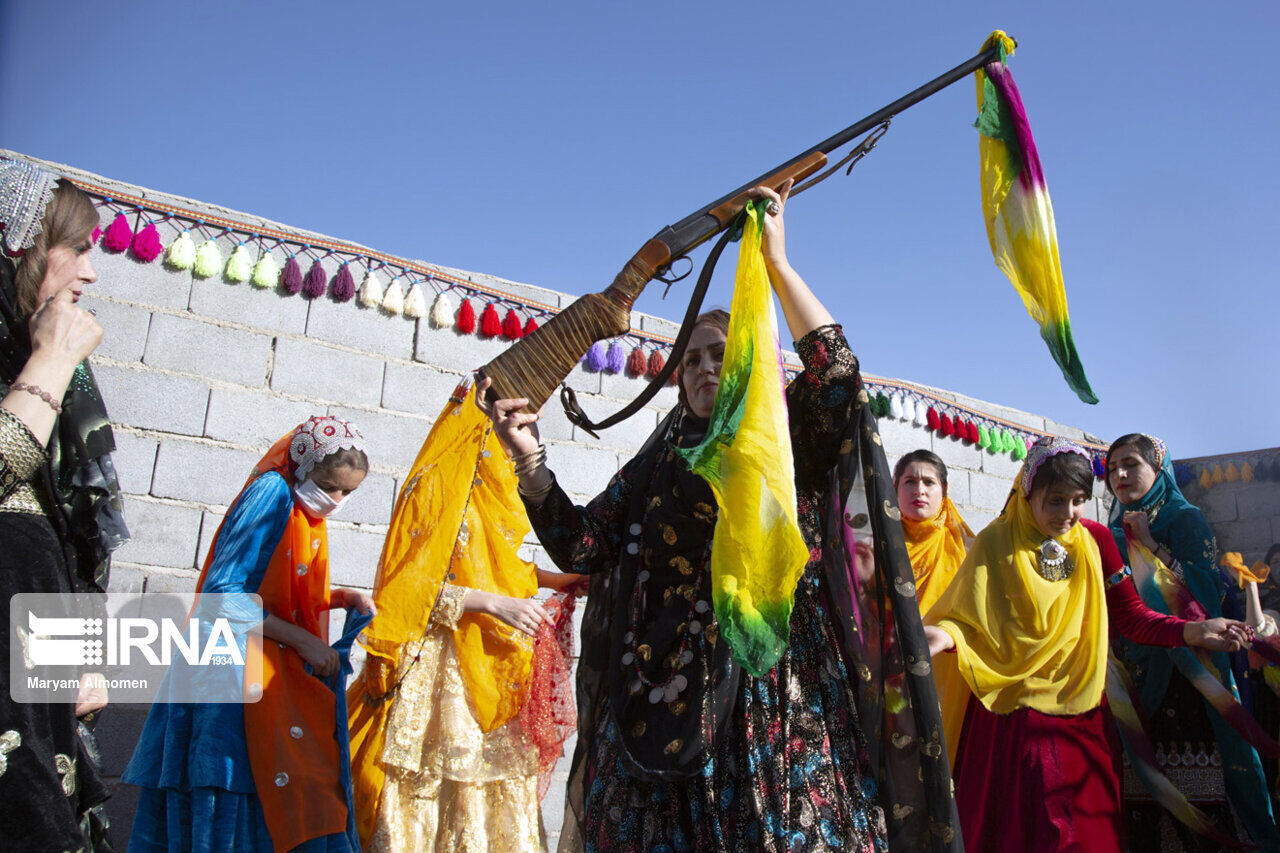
[(527, 463), (538, 493)]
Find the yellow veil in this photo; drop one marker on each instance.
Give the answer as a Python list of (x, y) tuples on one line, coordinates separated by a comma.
[(458, 519), (936, 547), (1023, 641)]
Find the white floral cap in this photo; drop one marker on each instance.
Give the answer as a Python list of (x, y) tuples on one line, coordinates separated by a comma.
[(321, 436), (25, 193)]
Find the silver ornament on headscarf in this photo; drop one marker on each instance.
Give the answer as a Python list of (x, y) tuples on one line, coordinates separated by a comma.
[(25, 193)]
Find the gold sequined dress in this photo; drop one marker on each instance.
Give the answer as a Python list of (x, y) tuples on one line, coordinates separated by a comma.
[(450, 787)]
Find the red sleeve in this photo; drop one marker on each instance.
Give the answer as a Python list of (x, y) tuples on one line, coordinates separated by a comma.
[(1128, 615)]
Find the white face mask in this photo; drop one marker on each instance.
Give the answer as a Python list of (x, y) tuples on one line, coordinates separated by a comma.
[(316, 501)]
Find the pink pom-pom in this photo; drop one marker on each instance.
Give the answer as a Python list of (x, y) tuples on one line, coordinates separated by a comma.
[(97, 233), (344, 286), (614, 359), (316, 282), (511, 328), (119, 235), (146, 245), (291, 277), (596, 359), (656, 363)]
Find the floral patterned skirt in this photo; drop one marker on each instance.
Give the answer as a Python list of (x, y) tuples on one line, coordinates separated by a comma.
[(787, 774)]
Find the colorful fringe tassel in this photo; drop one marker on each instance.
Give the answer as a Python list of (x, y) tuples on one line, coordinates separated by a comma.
[(239, 265), (316, 282), (119, 236), (371, 290), (343, 286), (490, 325), (442, 311), (182, 252), (466, 318), (393, 299), (208, 260), (265, 271), (512, 330), (291, 277), (146, 244), (415, 302)]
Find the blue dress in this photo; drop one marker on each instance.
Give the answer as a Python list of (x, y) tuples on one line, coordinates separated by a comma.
[(192, 761)]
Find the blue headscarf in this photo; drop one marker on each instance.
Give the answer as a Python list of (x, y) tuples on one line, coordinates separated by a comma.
[(1181, 527)]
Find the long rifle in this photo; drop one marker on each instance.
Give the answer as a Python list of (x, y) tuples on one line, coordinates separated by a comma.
[(533, 366)]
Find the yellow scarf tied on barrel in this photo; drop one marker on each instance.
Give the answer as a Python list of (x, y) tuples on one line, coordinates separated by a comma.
[(757, 554)]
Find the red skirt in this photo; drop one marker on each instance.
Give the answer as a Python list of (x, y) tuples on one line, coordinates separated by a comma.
[(1033, 781)]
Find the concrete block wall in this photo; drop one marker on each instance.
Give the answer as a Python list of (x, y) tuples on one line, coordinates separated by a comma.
[(1245, 516), (200, 376)]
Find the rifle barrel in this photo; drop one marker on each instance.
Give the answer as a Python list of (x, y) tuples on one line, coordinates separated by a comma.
[(698, 227)]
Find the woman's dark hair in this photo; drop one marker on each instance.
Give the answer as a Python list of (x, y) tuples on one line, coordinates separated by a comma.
[(1146, 449), (717, 317), (345, 457), (921, 455), (1065, 469), (69, 218)]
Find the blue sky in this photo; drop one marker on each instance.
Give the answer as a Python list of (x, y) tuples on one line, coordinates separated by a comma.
[(545, 142)]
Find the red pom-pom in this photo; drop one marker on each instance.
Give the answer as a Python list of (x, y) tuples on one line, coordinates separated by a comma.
[(974, 435), (948, 427), (511, 328), (490, 325), (146, 245), (466, 318), (656, 363), (530, 326), (119, 235), (935, 423), (636, 363)]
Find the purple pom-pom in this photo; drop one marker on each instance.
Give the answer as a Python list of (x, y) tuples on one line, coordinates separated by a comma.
[(146, 245), (614, 359), (1099, 470), (596, 358), (344, 286), (291, 277), (316, 282), (119, 235)]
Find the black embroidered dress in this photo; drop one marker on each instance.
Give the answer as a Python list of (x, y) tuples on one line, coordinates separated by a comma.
[(679, 749)]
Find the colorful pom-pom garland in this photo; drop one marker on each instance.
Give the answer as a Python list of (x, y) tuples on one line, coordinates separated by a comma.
[(418, 292)]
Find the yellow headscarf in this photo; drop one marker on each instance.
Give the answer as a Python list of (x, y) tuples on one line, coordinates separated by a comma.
[(936, 547), (1023, 641)]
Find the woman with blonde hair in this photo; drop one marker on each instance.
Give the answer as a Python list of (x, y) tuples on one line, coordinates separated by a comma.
[(60, 508)]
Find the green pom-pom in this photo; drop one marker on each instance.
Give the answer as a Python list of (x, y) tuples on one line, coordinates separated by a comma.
[(1019, 448), (208, 260), (265, 271), (984, 437), (239, 265), (182, 252)]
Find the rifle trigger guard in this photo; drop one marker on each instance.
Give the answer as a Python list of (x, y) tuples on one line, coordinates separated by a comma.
[(668, 281)]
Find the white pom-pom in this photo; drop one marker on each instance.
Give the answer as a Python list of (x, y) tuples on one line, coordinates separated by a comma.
[(895, 406), (371, 290), (922, 414), (442, 312), (415, 304), (393, 299)]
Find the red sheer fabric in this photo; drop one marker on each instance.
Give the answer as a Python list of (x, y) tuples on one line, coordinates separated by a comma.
[(547, 714)]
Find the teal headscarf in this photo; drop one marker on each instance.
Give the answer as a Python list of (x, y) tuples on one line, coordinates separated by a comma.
[(1181, 527)]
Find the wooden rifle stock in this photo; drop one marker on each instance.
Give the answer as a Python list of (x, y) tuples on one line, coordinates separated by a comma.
[(533, 366)]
